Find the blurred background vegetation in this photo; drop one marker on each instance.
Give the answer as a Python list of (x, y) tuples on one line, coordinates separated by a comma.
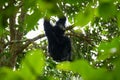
[(93, 30)]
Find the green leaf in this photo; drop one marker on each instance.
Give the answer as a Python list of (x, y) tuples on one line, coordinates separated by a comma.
[(31, 20), (8, 74), (29, 3), (86, 71), (117, 68), (85, 17), (2, 2), (33, 64), (106, 10), (108, 49), (49, 7), (1, 31), (118, 19), (2, 24)]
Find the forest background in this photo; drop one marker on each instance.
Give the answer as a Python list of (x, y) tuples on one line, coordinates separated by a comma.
[(94, 30)]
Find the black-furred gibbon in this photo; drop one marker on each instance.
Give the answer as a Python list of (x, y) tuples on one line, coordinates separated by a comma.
[(59, 45)]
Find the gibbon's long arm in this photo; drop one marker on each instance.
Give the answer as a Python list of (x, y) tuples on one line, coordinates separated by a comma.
[(48, 28)]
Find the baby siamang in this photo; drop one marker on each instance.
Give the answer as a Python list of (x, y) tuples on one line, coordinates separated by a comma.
[(59, 45)]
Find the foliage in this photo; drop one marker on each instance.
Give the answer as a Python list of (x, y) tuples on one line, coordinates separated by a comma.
[(94, 32), (31, 68), (89, 72)]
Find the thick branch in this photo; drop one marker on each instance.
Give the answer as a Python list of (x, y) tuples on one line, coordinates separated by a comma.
[(12, 28), (12, 22)]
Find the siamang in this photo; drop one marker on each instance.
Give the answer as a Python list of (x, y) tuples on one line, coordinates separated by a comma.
[(59, 45)]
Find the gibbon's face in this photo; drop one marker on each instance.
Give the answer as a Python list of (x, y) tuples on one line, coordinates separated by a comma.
[(62, 27), (61, 23)]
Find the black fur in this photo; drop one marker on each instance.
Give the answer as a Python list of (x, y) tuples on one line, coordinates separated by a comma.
[(59, 46)]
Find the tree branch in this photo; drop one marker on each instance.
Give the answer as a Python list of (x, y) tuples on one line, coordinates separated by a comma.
[(29, 41), (12, 28)]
